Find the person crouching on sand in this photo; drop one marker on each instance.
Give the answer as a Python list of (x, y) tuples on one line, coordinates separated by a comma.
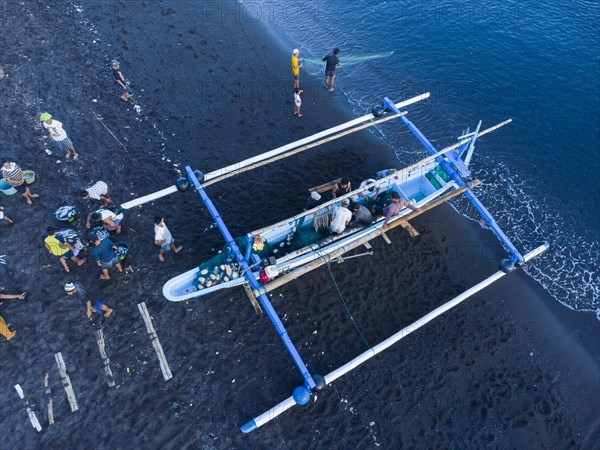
[(13, 175), (162, 237), (99, 191), (58, 135), (297, 102), (56, 246), (84, 296)]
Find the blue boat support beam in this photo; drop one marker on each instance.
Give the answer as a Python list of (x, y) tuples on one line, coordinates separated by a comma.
[(309, 383)]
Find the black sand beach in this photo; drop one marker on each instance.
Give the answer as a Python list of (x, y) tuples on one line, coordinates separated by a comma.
[(510, 368)]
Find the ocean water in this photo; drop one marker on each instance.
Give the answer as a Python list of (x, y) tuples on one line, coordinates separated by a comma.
[(535, 62)]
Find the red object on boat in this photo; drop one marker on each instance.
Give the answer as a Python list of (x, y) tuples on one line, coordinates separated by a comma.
[(263, 276)]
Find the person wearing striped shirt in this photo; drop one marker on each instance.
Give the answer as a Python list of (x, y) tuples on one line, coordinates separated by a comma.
[(13, 175)]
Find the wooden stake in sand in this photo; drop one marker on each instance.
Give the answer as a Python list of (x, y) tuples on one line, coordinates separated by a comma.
[(105, 360), (162, 359), (66, 381), (32, 417), (48, 393)]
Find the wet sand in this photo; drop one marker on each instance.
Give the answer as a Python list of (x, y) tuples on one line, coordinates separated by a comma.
[(510, 368)]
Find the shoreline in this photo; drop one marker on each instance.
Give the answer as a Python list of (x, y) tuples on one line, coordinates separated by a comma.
[(469, 351)]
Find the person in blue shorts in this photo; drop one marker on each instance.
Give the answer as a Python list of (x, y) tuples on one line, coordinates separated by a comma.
[(105, 255), (84, 296)]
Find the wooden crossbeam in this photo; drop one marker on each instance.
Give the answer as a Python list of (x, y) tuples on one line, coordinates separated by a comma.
[(65, 379), (162, 359), (410, 229), (325, 187)]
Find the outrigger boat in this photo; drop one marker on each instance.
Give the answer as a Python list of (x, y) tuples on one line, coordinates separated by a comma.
[(282, 252)]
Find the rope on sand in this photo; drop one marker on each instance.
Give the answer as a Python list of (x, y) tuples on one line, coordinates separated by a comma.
[(100, 119), (337, 287)]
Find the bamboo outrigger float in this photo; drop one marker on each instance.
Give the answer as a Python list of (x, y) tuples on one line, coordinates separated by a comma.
[(432, 181)]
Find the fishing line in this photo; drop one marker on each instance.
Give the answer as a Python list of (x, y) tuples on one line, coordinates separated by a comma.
[(345, 305)]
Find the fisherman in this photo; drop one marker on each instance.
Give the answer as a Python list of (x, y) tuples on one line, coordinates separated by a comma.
[(99, 191), (4, 330), (163, 238), (314, 199), (371, 193), (13, 175), (84, 296), (120, 79), (296, 64), (56, 245), (332, 62), (106, 217), (394, 207), (361, 216), (341, 218), (58, 135), (105, 255), (4, 217), (341, 188)]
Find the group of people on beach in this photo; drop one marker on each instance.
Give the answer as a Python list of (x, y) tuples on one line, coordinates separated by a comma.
[(102, 222), (332, 61)]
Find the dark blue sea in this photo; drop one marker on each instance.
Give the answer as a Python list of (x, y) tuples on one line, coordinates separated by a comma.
[(535, 62)]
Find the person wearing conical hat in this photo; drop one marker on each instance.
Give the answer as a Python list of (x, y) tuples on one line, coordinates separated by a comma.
[(58, 135)]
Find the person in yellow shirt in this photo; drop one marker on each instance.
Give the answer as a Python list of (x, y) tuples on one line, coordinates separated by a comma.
[(56, 245), (296, 64)]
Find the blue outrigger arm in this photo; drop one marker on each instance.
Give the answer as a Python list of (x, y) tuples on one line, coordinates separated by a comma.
[(309, 383), (516, 256)]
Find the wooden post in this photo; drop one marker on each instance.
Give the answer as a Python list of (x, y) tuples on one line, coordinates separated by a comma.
[(385, 238), (410, 229), (162, 359), (105, 360), (66, 381), (250, 294), (35, 423), (48, 394)]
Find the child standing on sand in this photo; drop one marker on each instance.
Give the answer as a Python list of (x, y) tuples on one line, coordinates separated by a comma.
[(58, 135), (297, 102), (163, 238)]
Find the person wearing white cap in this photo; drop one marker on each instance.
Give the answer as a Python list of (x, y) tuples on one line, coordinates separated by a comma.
[(84, 296), (296, 64), (313, 201)]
